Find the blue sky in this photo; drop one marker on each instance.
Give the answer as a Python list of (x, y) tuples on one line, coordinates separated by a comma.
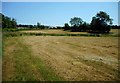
[(57, 13), (59, 0)]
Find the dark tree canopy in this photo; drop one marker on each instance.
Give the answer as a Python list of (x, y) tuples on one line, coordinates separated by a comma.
[(8, 22), (101, 22), (76, 21), (13, 23), (104, 17), (66, 26), (38, 25)]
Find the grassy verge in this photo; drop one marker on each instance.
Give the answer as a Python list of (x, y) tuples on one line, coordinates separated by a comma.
[(14, 34), (26, 66)]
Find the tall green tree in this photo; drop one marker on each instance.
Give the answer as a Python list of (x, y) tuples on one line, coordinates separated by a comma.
[(101, 22), (76, 21), (8, 22), (13, 23), (103, 16)]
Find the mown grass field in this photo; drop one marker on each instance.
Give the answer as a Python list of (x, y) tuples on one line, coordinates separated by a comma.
[(60, 58)]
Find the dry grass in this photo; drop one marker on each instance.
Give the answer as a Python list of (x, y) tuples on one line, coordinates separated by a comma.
[(60, 57), (53, 31), (78, 58), (60, 31), (114, 30)]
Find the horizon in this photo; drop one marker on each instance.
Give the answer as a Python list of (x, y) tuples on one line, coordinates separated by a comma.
[(57, 13)]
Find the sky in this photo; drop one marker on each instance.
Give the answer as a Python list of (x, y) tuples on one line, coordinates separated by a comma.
[(57, 13), (59, 0)]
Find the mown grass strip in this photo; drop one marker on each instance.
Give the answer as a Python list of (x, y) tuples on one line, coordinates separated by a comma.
[(46, 71), (29, 67), (14, 61)]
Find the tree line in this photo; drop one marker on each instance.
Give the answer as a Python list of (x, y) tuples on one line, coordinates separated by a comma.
[(38, 26), (8, 22), (101, 23)]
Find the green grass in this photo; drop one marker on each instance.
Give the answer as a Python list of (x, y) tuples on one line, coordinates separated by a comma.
[(27, 66)]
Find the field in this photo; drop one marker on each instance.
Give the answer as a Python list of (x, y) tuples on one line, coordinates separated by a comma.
[(36, 58), (59, 31), (53, 31)]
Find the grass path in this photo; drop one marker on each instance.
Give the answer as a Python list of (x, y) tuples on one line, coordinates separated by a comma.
[(20, 65)]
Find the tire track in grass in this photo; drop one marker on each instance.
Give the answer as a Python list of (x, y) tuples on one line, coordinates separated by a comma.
[(20, 65), (46, 72), (13, 67), (25, 68), (30, 67)]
